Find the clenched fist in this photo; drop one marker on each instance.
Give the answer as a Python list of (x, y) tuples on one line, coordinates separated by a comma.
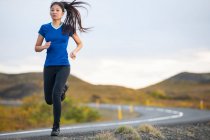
[(47, 45), (73, 55)]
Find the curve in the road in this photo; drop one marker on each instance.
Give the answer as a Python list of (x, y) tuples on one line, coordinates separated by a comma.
[(151, 115)]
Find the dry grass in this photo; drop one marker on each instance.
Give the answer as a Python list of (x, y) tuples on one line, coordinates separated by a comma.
[(127, 132), (147, 128), (105, 136)]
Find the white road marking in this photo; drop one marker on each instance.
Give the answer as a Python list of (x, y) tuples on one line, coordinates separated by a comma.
[(175, 114)]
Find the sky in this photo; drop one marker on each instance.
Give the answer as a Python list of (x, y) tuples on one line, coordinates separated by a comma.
[(133, 43)]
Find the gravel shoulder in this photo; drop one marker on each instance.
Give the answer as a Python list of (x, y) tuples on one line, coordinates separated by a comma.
[(192, 131)]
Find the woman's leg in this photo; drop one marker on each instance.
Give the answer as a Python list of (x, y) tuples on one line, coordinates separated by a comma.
[(49, 80), (60, 80)]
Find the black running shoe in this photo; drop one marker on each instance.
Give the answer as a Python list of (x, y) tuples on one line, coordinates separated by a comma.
[(63, 95), (55, 131)]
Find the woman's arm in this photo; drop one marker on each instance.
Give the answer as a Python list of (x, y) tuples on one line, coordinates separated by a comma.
[(38, 46), (79, 46)]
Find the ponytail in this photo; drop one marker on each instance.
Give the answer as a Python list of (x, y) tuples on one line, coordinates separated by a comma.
[(73, 17)]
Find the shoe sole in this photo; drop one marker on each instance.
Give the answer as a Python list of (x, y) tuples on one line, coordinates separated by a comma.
[(55, 133), (63, 96)]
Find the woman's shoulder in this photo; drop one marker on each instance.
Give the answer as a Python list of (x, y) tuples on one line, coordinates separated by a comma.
[(45, 27), (46, 24)]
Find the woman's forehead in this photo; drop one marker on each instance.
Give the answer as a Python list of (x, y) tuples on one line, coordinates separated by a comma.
[(55, 7)]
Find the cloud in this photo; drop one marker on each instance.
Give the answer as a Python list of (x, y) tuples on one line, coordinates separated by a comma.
[(138, 73), (203, 56), (133, 72)]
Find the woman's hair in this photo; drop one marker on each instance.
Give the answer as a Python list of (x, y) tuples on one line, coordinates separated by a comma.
[(72, 17)]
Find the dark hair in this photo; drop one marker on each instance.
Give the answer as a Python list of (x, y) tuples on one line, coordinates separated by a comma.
[(73, 16)]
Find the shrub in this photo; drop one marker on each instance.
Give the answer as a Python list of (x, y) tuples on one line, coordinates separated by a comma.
[(146, 128), (127, 132)]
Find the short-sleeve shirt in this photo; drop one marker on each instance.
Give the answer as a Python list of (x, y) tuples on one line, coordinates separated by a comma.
[(57, 52)]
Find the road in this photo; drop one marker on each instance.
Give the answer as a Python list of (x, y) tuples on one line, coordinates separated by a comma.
[(149, 115)]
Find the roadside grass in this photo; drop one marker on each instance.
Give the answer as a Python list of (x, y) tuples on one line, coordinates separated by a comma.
[(149, 129), (127, 132)]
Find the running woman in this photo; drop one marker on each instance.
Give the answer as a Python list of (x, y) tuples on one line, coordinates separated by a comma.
[(57, 66)]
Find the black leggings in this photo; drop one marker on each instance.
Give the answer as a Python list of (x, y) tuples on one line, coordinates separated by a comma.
[(55, 78)]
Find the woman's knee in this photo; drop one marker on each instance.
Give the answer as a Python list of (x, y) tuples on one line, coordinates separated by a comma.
[(48, 101)]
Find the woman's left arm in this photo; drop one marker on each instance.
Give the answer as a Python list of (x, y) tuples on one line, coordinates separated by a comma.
[(79, 45)]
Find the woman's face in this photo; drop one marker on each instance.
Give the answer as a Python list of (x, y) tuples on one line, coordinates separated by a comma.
[(56, 12)]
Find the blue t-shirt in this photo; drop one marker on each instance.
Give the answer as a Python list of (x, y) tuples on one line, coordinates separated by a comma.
[(57, 52)]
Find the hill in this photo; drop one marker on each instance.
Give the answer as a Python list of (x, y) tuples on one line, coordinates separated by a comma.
[(184, 90), (183, 86), (18, 86)]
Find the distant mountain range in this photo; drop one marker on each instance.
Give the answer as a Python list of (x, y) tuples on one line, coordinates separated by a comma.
[(201, 78), (182, 86), (18, 86)]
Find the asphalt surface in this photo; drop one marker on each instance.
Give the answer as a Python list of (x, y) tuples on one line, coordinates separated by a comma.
[(149, 115)]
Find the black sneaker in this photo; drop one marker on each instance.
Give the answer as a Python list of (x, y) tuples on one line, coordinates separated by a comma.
[(63, 95), (55, 131)]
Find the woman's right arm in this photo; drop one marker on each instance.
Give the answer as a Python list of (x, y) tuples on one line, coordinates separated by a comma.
[(38, 46)]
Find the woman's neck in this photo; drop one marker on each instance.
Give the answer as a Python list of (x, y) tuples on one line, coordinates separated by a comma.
[(56, 23)]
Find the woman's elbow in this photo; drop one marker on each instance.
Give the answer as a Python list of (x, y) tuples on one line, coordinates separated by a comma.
[(36, 49)]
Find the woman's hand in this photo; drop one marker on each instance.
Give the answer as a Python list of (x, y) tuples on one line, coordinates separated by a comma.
[(47, 45), (73, 55), (79, 46), (38, 45)]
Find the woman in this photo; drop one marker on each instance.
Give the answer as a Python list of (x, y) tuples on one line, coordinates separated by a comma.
[(57, 66)]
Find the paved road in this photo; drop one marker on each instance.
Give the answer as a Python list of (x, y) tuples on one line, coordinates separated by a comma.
[(151, 115)]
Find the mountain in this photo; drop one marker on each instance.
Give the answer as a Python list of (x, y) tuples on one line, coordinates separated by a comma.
[(18, 86), (184, 89), (201, 78), (183, 86)]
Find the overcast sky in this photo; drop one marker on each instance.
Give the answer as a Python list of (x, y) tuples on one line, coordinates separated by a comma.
[(134, 43)]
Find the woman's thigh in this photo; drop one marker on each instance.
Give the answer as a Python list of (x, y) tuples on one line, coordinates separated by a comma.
[(49, 81), (61, 78)]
